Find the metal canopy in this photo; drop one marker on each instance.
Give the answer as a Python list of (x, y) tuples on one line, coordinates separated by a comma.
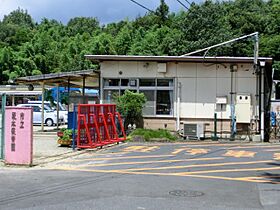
[(74, 78), (84, 78)]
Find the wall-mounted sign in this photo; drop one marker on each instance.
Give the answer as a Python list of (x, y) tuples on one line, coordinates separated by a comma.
[(18, 135), (221, 100)]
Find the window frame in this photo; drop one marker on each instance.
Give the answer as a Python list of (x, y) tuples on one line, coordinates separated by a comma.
[(139, 88)]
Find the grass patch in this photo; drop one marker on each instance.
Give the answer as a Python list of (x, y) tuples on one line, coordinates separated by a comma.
[(149, 134)]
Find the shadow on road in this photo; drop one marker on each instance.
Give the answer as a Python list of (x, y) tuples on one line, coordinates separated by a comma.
[(274, 178)]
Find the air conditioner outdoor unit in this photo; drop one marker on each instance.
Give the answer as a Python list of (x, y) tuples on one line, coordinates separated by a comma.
[(193, 131)]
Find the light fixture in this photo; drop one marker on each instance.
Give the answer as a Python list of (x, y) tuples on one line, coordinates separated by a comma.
[(262, 63), (233, 67)]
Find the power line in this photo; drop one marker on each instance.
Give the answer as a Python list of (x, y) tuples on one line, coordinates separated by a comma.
[(188, 2), (142, 6), (182, 4)]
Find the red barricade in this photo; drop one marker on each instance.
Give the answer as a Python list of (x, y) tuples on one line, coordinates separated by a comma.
[(97, 125)]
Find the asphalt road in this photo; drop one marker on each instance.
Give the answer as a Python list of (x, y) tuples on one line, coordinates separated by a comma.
[(151, 176)]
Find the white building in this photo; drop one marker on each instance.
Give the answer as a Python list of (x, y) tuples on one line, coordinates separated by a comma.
[(191, 89)]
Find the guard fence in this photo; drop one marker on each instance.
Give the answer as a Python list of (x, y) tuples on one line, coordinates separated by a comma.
[(99, 125)]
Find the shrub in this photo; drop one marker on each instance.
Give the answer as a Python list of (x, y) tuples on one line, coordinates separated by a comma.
[(149, 134), (130, 106)]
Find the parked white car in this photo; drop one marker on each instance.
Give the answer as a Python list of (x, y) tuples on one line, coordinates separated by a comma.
[(50, 117), (62, 111)]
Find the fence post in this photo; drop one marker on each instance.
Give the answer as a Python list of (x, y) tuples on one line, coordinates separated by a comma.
[(215, 137), (2, 137)]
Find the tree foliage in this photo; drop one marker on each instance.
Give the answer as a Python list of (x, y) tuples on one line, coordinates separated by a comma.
[(30, 48), (130, 105)]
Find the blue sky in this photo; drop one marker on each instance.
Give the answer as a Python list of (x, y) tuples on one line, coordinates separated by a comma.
[(105, 10)]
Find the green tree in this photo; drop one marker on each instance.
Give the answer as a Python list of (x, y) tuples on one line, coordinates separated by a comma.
[(123, 40), (162, 13), (103, 45), (130, 105), (19, 17), (80, 25)]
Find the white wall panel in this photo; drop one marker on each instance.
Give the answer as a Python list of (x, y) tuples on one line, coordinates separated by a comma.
[(187, 110), (223, 87), (186, 70), (245, 71), (246, 85), (205, 110), (206, 90), (223, 71), (128, 69), (147, 69), (205, 97), (206, 71), (109, 69), (188, 97), (188, 90), (171, 70)]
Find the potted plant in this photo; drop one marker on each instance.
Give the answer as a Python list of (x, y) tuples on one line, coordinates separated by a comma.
[(65, 137)]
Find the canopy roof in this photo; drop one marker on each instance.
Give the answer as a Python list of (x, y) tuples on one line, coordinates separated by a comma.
[(75, 78)]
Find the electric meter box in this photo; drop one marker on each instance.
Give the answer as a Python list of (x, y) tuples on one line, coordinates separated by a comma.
[(243, 108), (161, 68)]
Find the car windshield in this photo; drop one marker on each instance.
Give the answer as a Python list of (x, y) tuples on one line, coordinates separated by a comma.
[(61, 108), (47, 108)]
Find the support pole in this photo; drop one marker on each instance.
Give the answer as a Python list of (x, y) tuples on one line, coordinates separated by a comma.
[(68, 93), (261, 103), (2, 142), (215, 137), (232, 103), (43, 105), (74, 127), (57, 107), (99, 88), (101, 95), (13, 100), (84, 84)]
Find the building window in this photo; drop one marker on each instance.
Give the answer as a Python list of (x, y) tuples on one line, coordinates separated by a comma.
[(122, 91), (111, 82), (124, 82), (165, 82), (147, 82), (164, 102), (149, 108), (110, 95), (159, 93)]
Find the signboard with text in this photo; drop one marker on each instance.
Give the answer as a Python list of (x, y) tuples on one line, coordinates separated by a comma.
[(18, 135)]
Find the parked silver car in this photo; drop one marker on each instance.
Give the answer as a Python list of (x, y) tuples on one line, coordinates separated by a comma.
[(50, 117), (62, 111)]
